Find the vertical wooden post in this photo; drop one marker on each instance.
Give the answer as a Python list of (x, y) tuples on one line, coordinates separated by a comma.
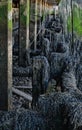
[(5, 54), (72, 26), (27, 24), (66, 17), (44, 10), (43, 13), (24, 12), (40, 13), (35, 36)]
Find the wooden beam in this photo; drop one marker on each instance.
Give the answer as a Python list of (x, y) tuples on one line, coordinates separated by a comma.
[(22, 94), (41, 8), (27, 24), (72, 24), (24, 12), (40, 13), (23, 87), (5, 54), (35, 32)]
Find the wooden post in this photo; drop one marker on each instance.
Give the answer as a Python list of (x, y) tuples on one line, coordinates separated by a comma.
[(5, 54), (44, 10), (27, 24), (35, 32), (24, 12), (40, 12), (72, 40)]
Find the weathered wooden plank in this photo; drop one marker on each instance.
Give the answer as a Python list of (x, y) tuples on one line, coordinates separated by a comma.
[(22, 94), (41, 13), (5, 54), (35, 32), (24, 29), (23, 87)]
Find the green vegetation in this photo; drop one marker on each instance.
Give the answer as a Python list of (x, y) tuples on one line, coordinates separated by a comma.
[(77, 20)]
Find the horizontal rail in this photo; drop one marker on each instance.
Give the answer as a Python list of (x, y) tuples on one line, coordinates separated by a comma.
[(23, 87), (22, 94)]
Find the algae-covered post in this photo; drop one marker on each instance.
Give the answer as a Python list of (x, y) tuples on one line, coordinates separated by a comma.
[(24, 30), (5, 54)]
